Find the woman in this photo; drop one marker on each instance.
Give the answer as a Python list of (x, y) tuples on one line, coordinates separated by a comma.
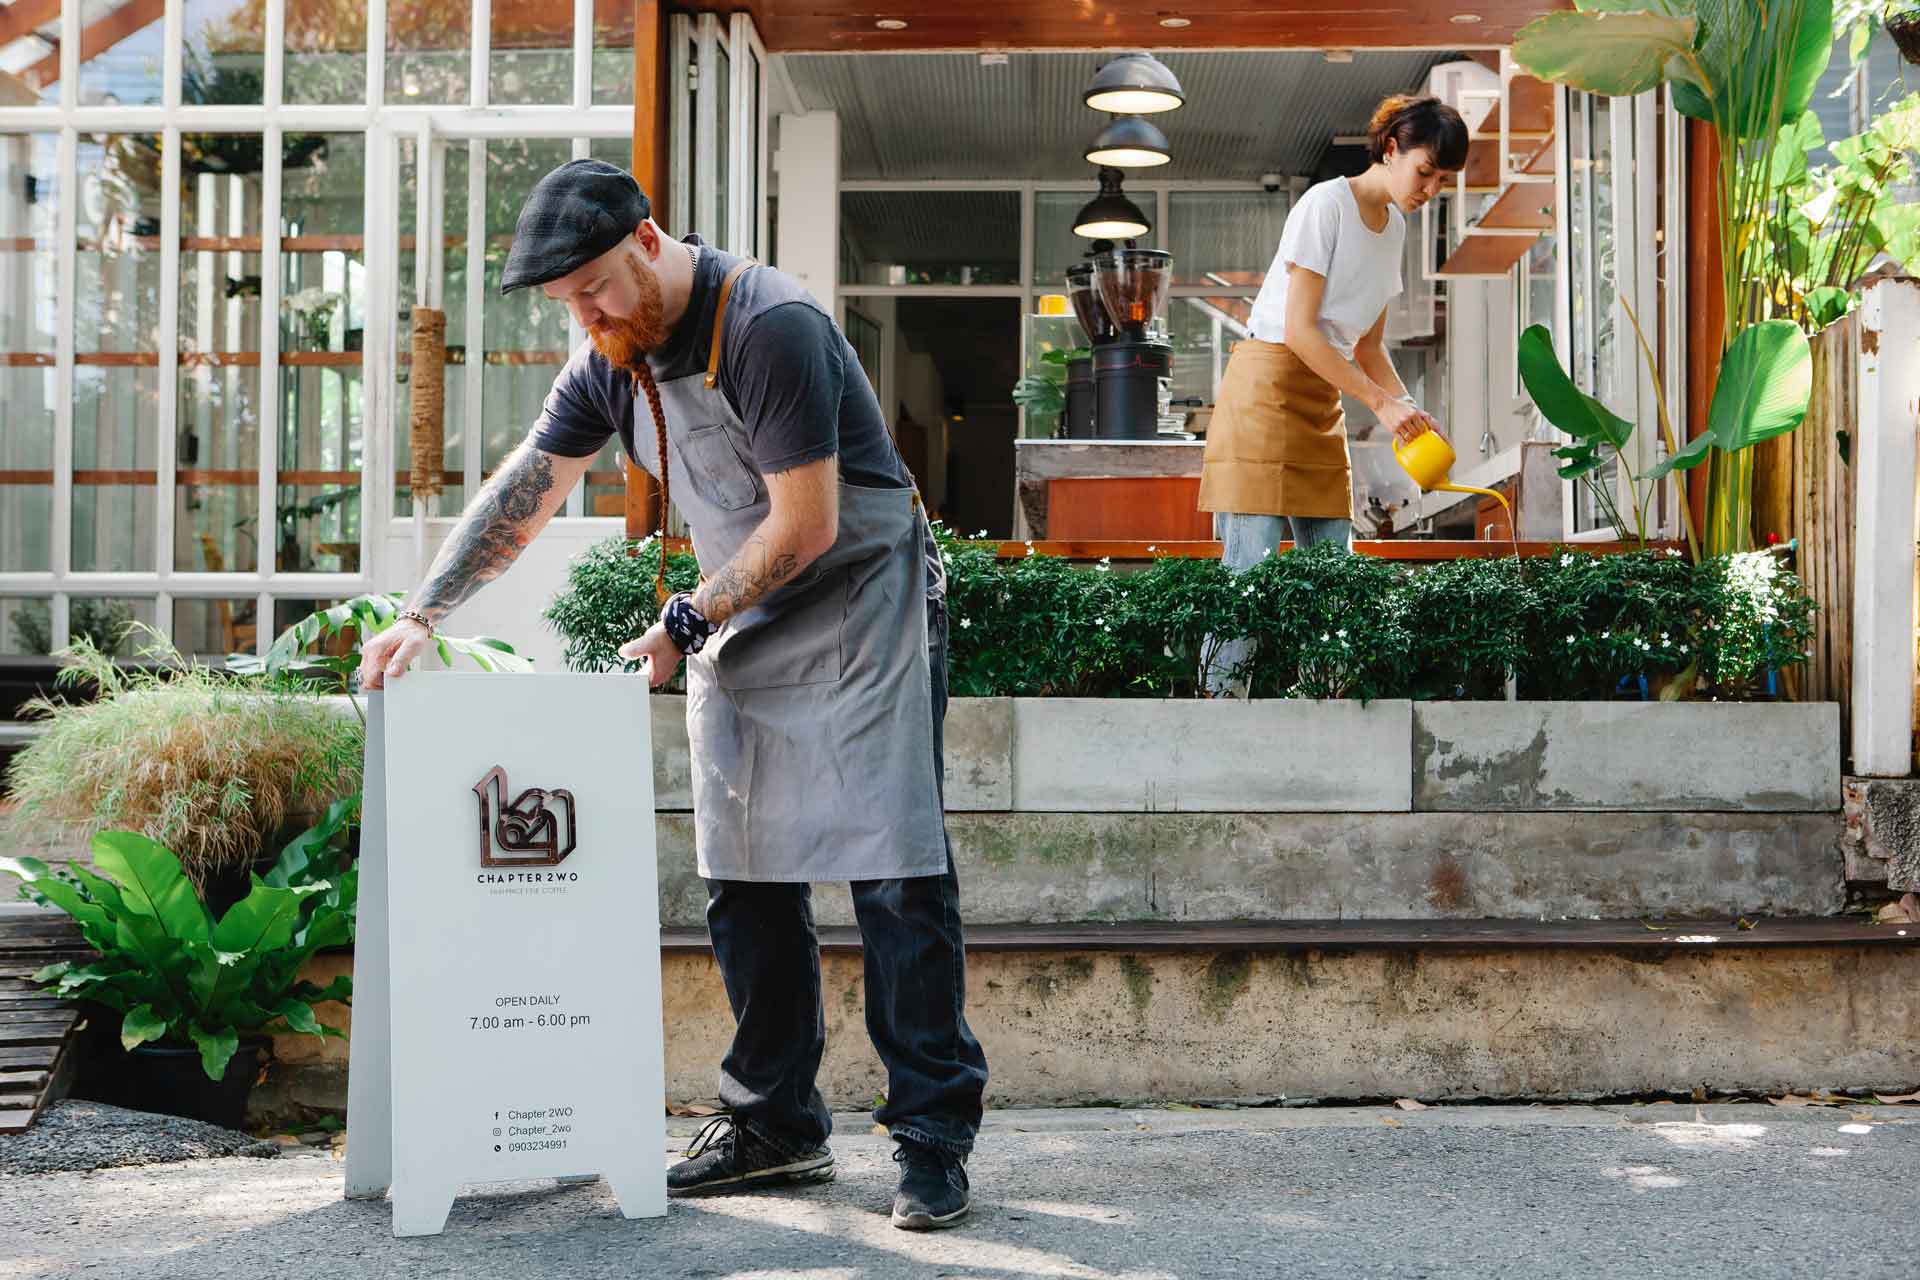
[(1276, 459)]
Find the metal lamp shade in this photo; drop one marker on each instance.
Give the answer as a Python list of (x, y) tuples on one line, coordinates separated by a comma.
[(1129, 143), (1134, 84), (1110, 215)]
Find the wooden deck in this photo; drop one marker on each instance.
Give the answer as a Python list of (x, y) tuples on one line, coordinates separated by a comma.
[(36, 1031)]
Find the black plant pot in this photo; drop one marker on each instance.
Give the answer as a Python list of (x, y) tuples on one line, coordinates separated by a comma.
[(170, 1080)]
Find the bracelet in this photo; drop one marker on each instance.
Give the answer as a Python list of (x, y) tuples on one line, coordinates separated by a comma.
[(686, 626), (414, 615)]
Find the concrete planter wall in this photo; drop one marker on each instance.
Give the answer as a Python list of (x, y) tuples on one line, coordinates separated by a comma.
[(1119, 756), (1112, 809)]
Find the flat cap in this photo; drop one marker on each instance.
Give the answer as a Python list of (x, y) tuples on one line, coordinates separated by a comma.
[(572, 216)]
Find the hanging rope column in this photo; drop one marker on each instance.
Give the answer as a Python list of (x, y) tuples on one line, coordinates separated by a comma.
[(428, 385)]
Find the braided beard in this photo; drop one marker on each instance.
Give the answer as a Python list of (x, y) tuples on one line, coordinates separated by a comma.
[(625, 341)]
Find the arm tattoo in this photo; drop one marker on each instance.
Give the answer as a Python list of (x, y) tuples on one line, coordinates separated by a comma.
[(744, 580), (489, 535)]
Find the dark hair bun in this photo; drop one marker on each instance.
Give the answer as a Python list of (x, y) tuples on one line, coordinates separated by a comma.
[(1413, 122)]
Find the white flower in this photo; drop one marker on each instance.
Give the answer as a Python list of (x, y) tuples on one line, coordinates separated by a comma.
[(1683, 648), (1606, 635), (1342, 633), (1665, 643), (965, 623), (1247, 592), (1167, 650), (1099, 622), (1030, 550), (1566, 560), (1569, 639), (1324, 636), (1151, 547)]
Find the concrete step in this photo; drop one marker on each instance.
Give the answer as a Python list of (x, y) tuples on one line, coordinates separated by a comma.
[(1451, 1010)]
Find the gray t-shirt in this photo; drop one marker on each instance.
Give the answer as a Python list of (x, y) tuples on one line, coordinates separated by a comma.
[(786, 372)]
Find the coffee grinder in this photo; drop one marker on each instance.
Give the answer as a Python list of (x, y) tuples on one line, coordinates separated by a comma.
[(1098, 325), (1130, 370)]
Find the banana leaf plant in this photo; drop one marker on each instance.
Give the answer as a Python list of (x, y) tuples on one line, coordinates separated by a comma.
[(1746, 67), (177, 974)]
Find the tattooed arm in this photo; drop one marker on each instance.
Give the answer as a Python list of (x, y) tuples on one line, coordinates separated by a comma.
[(513, 506), (802, 522)]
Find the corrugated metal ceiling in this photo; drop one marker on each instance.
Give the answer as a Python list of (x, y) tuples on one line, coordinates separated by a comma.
[(919, 116)]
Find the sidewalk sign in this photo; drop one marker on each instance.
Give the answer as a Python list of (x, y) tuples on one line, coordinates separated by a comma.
[(506, 1020)]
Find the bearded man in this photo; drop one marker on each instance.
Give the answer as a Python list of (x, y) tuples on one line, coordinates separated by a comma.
[(816, 665)]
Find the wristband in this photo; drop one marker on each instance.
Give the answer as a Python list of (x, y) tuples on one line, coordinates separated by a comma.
[(686, 626), (414, 615)]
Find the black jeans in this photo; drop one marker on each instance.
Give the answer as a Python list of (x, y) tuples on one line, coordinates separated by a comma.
[(769, 955)]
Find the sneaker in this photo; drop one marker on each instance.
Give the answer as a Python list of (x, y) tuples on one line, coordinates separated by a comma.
[(727, 1156), (933, 1188)]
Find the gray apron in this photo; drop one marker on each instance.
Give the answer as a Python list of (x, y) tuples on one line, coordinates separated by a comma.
[(809, 715)]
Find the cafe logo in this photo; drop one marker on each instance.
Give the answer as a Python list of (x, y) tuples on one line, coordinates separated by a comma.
[(535, 830)]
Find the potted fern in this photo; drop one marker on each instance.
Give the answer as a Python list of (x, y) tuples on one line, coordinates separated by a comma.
[(198, 994)]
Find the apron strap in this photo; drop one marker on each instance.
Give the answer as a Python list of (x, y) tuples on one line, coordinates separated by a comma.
[(720, 322)]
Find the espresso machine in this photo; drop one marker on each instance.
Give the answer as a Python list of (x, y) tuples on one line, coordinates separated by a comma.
[(1134, 366), (1084, 293)]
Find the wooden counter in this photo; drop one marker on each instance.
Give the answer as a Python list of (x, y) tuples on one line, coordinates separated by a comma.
[(1108, 489)]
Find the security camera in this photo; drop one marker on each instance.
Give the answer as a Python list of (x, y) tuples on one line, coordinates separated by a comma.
[(1271, 182)]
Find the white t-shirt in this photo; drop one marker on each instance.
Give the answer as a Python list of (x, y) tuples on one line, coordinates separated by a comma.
[(1324, 234)]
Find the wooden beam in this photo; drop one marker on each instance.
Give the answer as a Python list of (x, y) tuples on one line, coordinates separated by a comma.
[(129, 19), (24, 16), (651, 164), (1706, 303)]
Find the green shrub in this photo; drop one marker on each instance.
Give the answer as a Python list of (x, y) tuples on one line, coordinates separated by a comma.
[(1325, 624), (609, 599)]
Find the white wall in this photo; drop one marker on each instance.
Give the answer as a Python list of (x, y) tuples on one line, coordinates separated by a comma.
[(808, 162)]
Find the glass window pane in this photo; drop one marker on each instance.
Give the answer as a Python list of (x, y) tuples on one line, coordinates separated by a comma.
[(29, 386), (217, 451), (750, 180), (612, 53), (1202, 331), (1225, 238), (224, 61), (26, 626), (212, 629), (30, 55), (454, 301), (109, 623), (121, 47), (531, 51), (526, 335), (324, 295), (929, 237), (429, 51), (116, 379), (326, 52)]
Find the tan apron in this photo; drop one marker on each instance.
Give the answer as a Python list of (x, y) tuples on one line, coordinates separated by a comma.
[(1277, 444)]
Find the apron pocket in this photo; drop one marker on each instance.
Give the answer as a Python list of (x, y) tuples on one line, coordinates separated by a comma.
[(716, 470), (802, 644)]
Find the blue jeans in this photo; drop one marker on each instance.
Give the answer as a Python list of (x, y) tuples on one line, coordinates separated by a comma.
[(769, 956), (1249, 539)]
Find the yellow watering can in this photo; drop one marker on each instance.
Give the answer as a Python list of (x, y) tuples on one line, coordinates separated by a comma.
[(1429, 460)]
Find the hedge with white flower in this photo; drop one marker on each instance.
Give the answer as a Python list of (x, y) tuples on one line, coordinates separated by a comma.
[(1325, 624)]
